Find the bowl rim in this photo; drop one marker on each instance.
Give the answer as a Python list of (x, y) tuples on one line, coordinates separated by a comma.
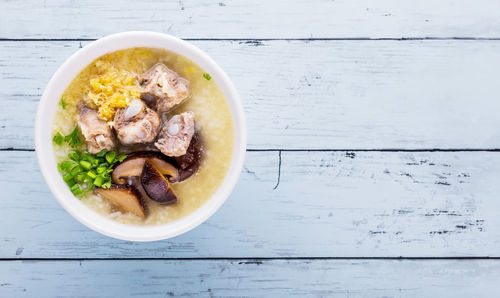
[(45, 154)]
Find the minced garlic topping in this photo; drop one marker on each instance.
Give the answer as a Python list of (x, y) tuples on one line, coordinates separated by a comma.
[(111, 89)]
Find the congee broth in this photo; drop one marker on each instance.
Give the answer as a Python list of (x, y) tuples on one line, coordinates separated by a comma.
[(143, 136)]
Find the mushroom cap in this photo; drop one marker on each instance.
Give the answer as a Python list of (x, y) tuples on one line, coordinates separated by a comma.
[(133, 165), (127, 198), (156, 186)]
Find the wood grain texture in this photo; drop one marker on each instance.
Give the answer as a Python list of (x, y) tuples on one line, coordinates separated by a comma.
[(252, 19), (314, 74), (315, 94), (248, 278), (327, 204)]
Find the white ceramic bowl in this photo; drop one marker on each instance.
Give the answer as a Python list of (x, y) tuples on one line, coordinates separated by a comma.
[(45, 153)]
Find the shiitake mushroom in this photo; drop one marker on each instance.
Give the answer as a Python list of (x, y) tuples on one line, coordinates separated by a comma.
[(124, 197), (189, 163), (155, 171), (177, 169), (132, 167), (156, 185)]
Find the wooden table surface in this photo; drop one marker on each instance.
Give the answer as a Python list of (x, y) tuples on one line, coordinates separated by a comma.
[(373, 164)]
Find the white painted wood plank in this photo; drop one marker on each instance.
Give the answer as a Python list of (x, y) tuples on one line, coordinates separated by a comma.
[(321, 94), (329, 204), (247, 278), (252, 19)]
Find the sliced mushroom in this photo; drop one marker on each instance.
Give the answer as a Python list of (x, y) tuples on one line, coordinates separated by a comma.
[(156, 186), (189, 163), (132, 167), (126, 198)]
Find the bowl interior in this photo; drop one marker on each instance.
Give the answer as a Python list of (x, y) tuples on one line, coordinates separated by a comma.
[(43, 135)]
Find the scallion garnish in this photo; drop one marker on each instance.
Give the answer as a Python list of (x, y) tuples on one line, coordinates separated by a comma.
[(73, 139), (84, 171), (74, 156), (58, 138), (85, 164), (98, 181), (63, 103), (110, 156)]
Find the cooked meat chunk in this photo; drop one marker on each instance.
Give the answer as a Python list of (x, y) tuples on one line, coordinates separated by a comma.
[(97, 133), (165, 85), (136, 124), (176, 134)]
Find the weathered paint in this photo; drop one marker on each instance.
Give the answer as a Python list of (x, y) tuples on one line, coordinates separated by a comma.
[(318, 94), (250, 278), (252, 19), (326, 204), (312, 75)]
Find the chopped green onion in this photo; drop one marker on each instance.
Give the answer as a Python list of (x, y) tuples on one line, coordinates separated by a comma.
[(75, 170), (83, 171), (106, 185), (92, 159), (68, 165), (76, 190), (91, 174), (110, 156), (102, 153), (58, 138), (86, 156), (207, 76), (89, 180), (85, 164), (71, 182), (121, 157), (103, 165), (67, 177), (63, 103), (80, 177), (98, 181), (74, 156)]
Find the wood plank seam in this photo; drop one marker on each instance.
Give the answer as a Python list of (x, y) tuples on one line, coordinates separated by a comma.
[(279, 170), (250, 40), (254, 259)]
